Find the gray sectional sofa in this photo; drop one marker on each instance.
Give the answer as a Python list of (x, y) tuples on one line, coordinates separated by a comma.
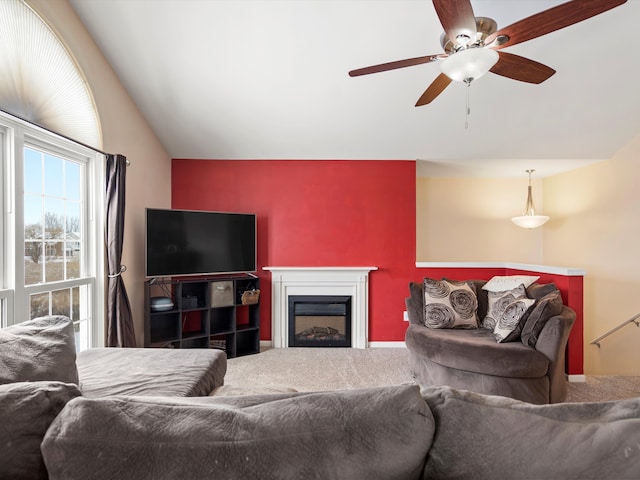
[(528, 366), (40, 372), (52, 429)]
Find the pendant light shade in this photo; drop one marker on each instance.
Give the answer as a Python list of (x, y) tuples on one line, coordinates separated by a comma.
[(529, 219)]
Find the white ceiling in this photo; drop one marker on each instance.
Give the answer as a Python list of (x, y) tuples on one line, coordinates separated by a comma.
[(243, 79)]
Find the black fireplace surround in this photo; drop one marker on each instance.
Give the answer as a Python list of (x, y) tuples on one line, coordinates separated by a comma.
[(319, 321)]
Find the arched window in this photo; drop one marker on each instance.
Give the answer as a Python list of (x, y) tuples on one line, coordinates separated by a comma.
[(51, 229)]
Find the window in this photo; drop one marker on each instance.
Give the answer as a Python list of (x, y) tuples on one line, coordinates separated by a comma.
[(51, 231)]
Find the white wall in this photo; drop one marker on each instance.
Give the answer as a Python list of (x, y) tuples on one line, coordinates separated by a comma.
[(597, 227), (467, 220)]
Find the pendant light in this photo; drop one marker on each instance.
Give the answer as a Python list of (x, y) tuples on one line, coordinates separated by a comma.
[(529, 219)]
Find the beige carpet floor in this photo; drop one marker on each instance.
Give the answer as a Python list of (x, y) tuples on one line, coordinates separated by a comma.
[(319, 369)]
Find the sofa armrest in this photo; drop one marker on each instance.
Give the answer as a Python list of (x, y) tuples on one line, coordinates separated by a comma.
[(414, 312), (552, 343), (554, 335), (415, 304)]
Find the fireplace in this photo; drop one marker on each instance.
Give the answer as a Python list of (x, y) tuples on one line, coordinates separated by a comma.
[(319, 321), (334, 281)]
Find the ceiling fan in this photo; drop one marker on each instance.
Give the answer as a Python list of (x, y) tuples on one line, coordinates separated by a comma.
[(471, 43)]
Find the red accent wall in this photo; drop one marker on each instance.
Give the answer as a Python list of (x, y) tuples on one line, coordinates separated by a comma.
[(319, 213)]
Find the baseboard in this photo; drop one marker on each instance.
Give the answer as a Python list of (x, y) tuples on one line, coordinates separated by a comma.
[(387, 345), (269, 344), (577, 378)]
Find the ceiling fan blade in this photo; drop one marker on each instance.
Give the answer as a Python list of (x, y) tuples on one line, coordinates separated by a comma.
[(436, 88), (383, 67), (551, 20), (457, 18), (521, 68)]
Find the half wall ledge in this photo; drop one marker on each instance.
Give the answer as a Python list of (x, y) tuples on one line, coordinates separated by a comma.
[(567, 271)]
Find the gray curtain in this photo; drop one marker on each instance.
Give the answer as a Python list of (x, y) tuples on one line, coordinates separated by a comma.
[(120, 331)]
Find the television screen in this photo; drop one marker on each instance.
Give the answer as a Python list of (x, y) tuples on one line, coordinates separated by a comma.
[(188, 242)]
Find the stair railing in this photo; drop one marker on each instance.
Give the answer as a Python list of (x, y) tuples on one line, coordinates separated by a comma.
[(633, 319)]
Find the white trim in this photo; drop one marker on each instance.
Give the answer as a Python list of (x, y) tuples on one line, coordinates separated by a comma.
[(387, 345), (16, 134), (96, 248), (318, 269), (266, 344), (567, 271), (348, 281), (6, 307), (577, 378)]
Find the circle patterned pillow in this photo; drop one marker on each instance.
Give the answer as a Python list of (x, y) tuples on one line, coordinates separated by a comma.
[(449, 304)]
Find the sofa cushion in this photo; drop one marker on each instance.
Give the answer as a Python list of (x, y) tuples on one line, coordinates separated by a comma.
[(26, 411), (483, 301), (538, 290), (476, 351), (253, 389), (150, 371), (378, 433), (517, 440), (509, 325), (535, 291), (500, 283), (547, 307), (39, 349), (449, 304), (498, 302)]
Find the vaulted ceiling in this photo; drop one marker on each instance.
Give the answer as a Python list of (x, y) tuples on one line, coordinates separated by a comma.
[(251, 79)]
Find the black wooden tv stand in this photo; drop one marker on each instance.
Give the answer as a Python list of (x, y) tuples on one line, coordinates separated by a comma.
[(207, 312)]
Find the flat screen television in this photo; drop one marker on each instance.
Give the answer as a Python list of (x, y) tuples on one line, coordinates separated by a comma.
[(190, 242)]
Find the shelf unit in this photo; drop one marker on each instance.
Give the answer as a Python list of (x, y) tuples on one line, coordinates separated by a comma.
[(206, 313)]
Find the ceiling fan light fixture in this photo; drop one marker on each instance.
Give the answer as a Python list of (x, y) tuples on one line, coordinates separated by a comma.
[(529, 219), (469, 64), (463, 39)]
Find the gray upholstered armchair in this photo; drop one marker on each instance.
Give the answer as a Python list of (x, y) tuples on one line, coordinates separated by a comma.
[(472, 359)]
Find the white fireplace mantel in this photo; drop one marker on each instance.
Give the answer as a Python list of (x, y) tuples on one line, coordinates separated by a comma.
[(352, 281)]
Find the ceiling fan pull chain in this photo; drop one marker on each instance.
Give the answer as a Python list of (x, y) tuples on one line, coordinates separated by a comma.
[(467, 109)]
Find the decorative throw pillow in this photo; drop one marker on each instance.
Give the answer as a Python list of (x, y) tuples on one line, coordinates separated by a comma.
[(539, 290), (547, 307), (509, 325), (39, 349), (449, 304), (498, 302), (509, 282), (26, 411)]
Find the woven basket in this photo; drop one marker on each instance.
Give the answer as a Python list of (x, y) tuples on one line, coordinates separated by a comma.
[(250, 297)]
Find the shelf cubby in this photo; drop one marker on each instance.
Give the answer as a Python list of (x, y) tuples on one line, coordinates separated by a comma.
[(246, 340)]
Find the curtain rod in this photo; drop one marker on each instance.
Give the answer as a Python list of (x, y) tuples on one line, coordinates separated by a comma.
[(66, 137)]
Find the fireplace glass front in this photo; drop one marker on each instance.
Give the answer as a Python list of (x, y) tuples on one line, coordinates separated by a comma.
[(319, 321)]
